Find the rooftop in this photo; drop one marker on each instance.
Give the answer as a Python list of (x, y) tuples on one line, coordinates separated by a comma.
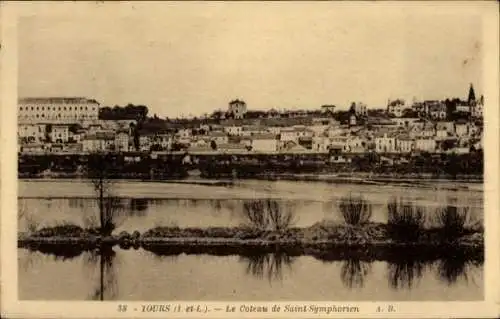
[(266, 136), (68, 100)]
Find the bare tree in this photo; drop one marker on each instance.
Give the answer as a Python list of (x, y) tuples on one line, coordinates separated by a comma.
[(100, 167), (268, 214)]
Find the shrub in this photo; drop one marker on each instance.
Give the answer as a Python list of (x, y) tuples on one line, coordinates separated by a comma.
[(268, 215), (355, 210), (452, 222), (405, 221), (63, 230)]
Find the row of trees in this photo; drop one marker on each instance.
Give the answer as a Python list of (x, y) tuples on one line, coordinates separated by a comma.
[(128, 112)]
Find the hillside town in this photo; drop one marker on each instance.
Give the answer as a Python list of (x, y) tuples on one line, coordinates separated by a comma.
[(63, 125)]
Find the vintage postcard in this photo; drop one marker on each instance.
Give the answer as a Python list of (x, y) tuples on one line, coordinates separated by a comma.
[(249, 159)]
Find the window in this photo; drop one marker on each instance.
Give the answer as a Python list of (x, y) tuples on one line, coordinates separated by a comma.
[(43, 108), (37, 108), (32, 108), (37, 116), (43, 115), (70, 108), (21, 108)]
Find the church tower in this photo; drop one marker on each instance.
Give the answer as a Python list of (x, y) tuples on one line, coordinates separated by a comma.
[(472, 95)]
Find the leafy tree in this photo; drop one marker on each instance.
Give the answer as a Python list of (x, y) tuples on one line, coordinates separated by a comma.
[(213, 145)]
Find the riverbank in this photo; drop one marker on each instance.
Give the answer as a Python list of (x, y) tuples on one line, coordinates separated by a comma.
[(341, 178)]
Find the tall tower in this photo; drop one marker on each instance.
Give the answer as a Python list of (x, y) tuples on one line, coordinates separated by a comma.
[(472, 95)]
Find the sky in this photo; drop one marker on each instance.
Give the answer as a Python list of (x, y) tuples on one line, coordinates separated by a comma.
[(184, 59)]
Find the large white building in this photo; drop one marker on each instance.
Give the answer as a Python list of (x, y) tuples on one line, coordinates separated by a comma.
[(57, 110)]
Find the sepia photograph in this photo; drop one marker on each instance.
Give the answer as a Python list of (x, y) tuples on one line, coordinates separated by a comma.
[(250, 152)]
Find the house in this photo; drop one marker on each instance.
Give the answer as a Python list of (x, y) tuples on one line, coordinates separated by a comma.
[(292, 147), (405, 144), (437, 110), (334, 130), (93, 128), (418, 125), (122, 140), (59, 133), (385, 143), (234, 130), (352, 120), (421, 108), (77, 136), (442, 134), (359, 108), (477, 108), (396, 107), (164, 140), (35, 133), (448, 126), (184, 133), (321, 143), (425, 144), (478, 145), (461, 128), (474, 129), (237, 109), (355, 144), (250, 130), (293, 133), (339, 141), (35, 148), (318, 128), (146, 141), (274, 130), (405, 122), (428, 130), (265, 143), (99, 141), (218, 137), (328, 109)]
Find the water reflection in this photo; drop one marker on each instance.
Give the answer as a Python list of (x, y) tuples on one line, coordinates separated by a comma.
[(138, 206), (452, 270), (111, 274), (404, 274), (270, 266), (104, 258), (353, 273)]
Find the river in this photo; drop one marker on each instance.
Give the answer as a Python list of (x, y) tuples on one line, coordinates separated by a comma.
[(144, 275)]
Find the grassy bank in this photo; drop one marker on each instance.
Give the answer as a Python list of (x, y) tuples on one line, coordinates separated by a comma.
[(320, 234)]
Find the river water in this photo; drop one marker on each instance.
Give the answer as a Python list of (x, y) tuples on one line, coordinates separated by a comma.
[(144, 275)]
